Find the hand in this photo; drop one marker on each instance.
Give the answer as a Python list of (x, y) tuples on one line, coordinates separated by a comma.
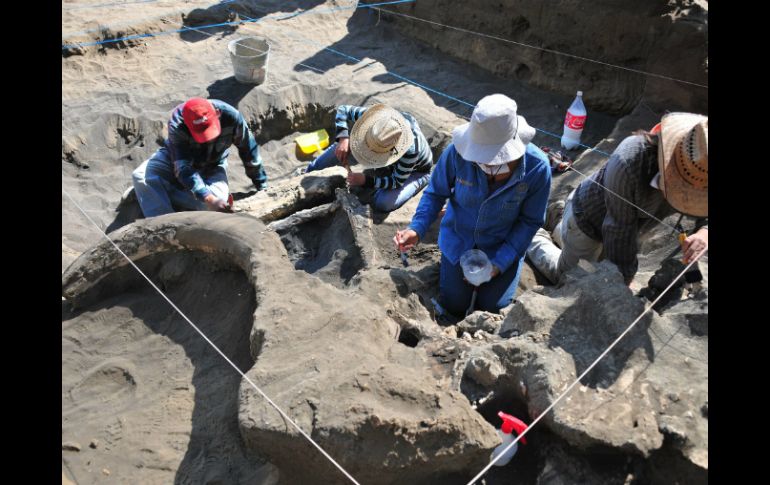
[(342, 151), (215, 203), (406, 239), (356, 179), (694, 244)]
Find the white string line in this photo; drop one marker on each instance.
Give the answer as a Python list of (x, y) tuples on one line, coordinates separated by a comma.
[(285, 416), (544, 49), (311, 67), (566, 391)]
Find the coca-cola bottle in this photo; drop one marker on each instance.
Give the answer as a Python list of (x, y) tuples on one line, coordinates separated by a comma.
[(574, 122)]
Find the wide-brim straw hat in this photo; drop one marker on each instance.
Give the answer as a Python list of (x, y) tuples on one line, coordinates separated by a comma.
[(495, 135), (380, 137), (683, 161)]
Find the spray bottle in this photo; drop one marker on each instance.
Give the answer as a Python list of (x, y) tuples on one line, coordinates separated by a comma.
[(510, 424)]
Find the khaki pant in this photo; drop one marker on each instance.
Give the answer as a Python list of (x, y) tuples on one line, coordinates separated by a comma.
[(552, 262)]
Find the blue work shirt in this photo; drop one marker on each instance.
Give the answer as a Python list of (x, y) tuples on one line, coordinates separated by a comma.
[(501, 224), (192, 159)]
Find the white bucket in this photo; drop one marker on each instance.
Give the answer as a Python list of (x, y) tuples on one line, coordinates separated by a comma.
[(249, 56)]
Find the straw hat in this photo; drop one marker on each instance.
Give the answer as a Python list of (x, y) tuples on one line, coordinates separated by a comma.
[(380, 137), (495, 134), (683, 160)]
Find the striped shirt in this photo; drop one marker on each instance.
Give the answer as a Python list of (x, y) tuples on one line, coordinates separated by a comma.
[(418, 158)]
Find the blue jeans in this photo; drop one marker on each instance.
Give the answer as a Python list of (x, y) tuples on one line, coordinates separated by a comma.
[(455, 293), (385, 200), (160, 192), (326, 159)]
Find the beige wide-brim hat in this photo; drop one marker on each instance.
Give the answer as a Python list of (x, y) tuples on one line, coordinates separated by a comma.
[(683, 161), (495, 134), (380, 137)]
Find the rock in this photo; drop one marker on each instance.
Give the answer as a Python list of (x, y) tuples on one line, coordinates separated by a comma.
[(623, 403), (94, 443), (70, 446), (661, 280), (360, 219), (479, 320), (565, 467), (106, 471), (484, 369), (293, 194), (691, 313)]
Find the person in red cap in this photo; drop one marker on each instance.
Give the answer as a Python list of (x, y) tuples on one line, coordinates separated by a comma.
[(189, 171)]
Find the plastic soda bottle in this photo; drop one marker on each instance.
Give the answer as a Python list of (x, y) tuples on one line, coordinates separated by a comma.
[(574, 122), (510, 424)]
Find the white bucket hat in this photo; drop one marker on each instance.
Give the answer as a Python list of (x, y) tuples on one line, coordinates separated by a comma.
[(380, 137), (495, 134)]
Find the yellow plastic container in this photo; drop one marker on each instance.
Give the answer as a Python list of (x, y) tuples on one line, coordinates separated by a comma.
[(313, 142)]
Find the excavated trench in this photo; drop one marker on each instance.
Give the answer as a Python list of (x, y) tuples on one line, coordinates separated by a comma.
[(325, 247)]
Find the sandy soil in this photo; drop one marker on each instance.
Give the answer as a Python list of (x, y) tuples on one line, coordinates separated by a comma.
[(137, 382)]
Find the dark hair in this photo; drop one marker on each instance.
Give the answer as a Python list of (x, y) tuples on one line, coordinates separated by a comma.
[(650, 138)]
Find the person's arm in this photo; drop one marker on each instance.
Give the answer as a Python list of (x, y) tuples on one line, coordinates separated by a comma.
[(181, 153), (248, 149), (439, 189), (531, 218), (346, 114), (400, 173), (620, 225)]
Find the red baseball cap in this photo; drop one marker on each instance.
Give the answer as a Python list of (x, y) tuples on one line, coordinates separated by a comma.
[(201, 119)]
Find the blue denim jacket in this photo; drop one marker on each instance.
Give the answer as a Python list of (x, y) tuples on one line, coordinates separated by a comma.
[(503, 224), (191, 159)]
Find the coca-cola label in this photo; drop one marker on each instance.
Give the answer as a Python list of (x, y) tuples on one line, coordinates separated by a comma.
[(574, 122)]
